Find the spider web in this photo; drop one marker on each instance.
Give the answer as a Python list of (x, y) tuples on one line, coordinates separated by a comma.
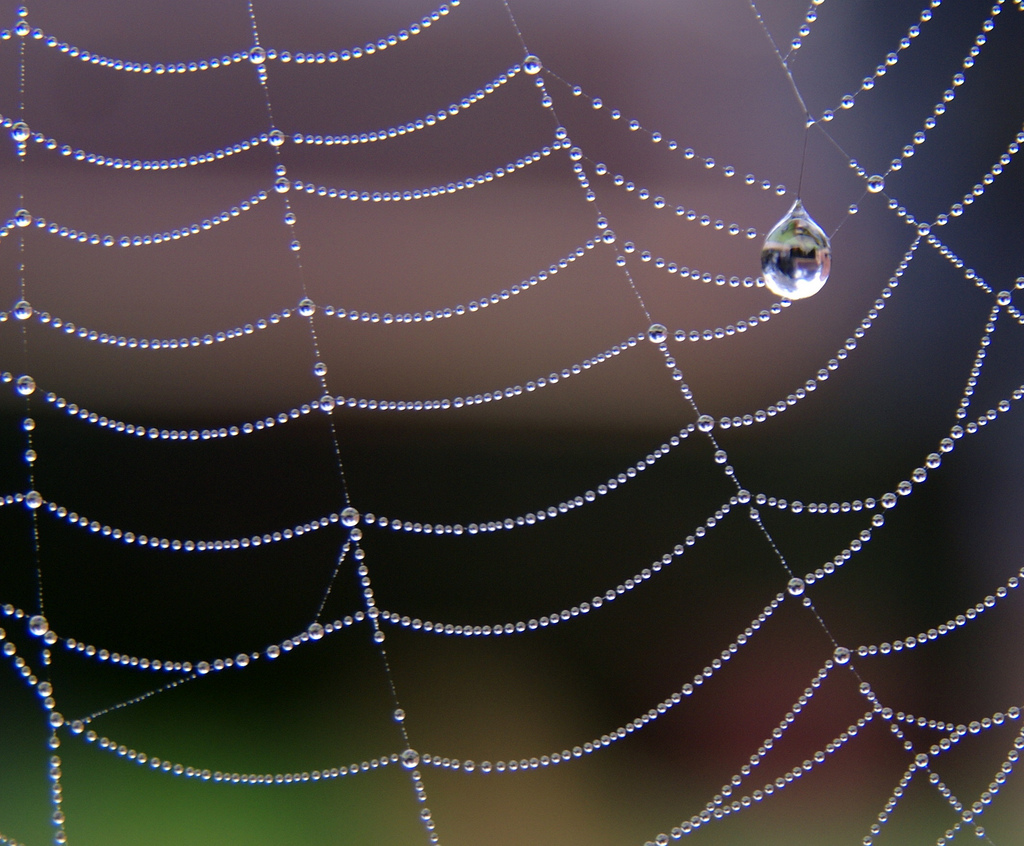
[(416, 455)]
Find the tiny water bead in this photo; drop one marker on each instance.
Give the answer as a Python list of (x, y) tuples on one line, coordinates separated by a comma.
[(796, 257), (319, 369)]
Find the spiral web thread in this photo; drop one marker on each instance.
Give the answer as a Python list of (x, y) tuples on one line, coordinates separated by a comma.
[(32, 641)]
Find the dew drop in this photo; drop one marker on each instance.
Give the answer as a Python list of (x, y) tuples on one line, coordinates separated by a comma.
[(608, 236), (796, 257), (876, 184), (410, 759), (841, 655), (720, 456), (705, 423), (257, 55), (38, 625), (282, 185), (275, 137), (399, 715), (349, 517), (306, 307), (316, 631), (378, 636), (531, 65), (22, 310), (795, 587), (20, 132), (327, 403), (847, 101), (657, 333), (22, 218), (575, 154), (25, 385), (34, 499), (319, 369)]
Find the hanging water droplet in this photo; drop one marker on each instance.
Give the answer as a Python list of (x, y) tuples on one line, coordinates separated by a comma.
[(399, 715), (306, 307), (531, 65), (257, 55), (327, 403), (608, 236), (795, 586), (289, 218), (22, 218), (316, 631), (275, 137), (796, 257), (575, 154), (847, 101), (841, 655), (657, 333), (410, 759), (378, 636), (281, 185), (720, 456), (20, 132), (25, 385), (38, 625), (349, 517), (319, 369), (22, 310), (876, 183), (705, 423)]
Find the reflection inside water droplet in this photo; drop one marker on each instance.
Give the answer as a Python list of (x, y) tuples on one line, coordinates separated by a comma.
[(796, 257)]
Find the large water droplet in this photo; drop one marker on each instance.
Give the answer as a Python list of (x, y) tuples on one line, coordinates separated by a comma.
[(25, 385), (38, 625), (876, 184), (22, 310), (349, 517), (657, 333), (275, 137), (796, 257), (410, 759), (531, 65), (20, 132)]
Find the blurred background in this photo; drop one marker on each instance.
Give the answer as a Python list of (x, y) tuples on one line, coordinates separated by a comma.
[(701, 73)]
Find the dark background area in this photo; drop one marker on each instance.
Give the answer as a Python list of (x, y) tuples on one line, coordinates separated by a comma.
[(702, 73)]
